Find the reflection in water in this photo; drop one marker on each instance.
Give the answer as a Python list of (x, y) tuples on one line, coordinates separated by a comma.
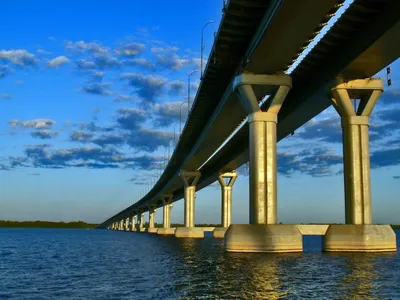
[(257, 275), (361, 274), (99, 264)]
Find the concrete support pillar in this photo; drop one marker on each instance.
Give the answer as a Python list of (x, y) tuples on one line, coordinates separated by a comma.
[(189, 180), (226, 180), (358, 235), (262, 234), (121, 225), (139, 227), (152, 211), (167, 207), (133, 223), (126, 224), (355, 124), (263, 168)]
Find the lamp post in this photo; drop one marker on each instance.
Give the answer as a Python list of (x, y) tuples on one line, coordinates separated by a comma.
[(202, 48), (160, 169), (155, 178), (165, 156), (169, 141), (174, 132), (180, 117), (188, 100)]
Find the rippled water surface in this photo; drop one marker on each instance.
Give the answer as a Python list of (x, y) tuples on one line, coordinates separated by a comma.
[(100, 264)]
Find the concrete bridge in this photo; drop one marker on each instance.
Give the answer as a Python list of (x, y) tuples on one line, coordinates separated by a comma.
[(256, 44)]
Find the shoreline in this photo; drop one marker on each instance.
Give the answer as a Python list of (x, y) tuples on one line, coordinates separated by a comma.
[(47, 224)]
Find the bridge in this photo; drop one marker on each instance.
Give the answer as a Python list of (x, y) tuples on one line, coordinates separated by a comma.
[(250, 97)]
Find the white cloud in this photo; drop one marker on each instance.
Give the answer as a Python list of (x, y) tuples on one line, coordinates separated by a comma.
[(36, 123), (58, 61), (167, 49), (97, 89), (82, 46), (171, 61), (140, 62), (130, 49), (19, 57), (41, 51), (146, 86), (44, 134), (85, 64), (122, 97)]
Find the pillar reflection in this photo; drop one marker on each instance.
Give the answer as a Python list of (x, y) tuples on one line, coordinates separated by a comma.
[(361, 274), (257, 276)]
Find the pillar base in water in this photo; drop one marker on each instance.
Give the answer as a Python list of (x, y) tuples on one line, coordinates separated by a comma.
[(166, 231), (152, 230), (219, 232), (263, 238), (189, 232), (360, 238)]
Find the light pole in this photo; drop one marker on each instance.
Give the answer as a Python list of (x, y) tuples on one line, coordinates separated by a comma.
[(160, 168), (165, 155), (202, 48), (169, 141), (174, 132), (155, 178), (180, 117), (188, 100)]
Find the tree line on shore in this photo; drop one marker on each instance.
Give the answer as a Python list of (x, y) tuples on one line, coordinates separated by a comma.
[(46, 224)]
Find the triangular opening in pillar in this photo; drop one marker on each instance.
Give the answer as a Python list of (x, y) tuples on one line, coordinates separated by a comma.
[(190, 180), (227, 180)]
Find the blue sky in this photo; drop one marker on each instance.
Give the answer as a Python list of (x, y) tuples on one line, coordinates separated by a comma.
[(89, 100)]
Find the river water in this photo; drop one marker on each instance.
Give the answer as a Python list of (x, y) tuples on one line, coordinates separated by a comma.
[(100, 264)]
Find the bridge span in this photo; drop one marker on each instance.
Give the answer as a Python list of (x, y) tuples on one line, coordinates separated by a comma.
[(256, 44)]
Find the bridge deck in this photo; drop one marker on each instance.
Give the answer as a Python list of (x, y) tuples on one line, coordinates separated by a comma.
[(365, 29)]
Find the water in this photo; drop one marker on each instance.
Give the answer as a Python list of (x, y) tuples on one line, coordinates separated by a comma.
[(99, 264)]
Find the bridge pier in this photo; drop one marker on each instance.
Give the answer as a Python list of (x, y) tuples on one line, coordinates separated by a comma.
[(263, 234), (121, 225), (133, 223), (139, 225), (127, 224), (358, 234), (190, 180), (166, 229), (151, 228), (226, 202)]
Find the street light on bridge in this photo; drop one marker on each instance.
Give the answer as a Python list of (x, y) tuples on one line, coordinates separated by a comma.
[(188, 100), (202, 48), (174, 132), (180, 117), (169, 141)]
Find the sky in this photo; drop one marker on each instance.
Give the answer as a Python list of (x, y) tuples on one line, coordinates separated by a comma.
[(90, 102)]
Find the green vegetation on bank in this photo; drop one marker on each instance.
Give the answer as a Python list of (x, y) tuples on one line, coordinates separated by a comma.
[(46, 224), (395, 226)]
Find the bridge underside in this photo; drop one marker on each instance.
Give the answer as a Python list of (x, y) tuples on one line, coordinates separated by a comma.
[(348, 52)]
